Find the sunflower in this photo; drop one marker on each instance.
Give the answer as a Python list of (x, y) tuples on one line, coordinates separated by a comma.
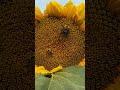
[(59, 36)]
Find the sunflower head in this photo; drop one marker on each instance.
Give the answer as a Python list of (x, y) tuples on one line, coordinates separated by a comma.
[(59, 35)]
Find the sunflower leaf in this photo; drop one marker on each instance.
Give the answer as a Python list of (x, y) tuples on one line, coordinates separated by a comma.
[(41, 82), (70, 78)]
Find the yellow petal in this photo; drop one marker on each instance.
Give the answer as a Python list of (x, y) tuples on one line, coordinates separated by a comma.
[(64, 11), (40, 67), (53, 9), (44, 72), (81, 7), (70, 10), (69, 4), (82, 26), (56, 69), (80, 13), (82, 63), (41, 70), (45, 13), (38, 14)]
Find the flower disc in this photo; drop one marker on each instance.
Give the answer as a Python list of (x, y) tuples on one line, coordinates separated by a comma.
[(58, 41)]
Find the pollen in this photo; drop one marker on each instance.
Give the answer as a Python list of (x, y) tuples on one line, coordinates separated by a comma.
[(58, 41)]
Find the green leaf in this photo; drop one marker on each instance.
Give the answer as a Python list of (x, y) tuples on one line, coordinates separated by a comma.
[(70, 78), (41, 82)]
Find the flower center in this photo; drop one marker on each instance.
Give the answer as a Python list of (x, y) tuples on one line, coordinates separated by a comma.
[(58, 41)]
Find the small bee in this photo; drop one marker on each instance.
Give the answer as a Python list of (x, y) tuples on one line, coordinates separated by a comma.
[(65, 31), (49, 52)]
